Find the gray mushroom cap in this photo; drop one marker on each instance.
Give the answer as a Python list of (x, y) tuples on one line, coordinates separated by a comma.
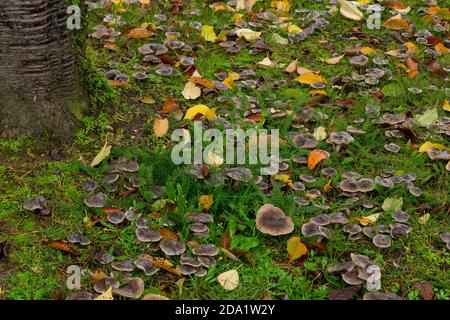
[(400, 216), (382, 241), (341, 137), (116, 217), (205, 250), (392, 147), (352, 229), (415, 191), (201, 272), (132, 214), (392, 119), (207, 261), (400, 230), (240, 174), (298, 186), (84, 241), (189, 260), (142, 223), (445, 236), (349, 185), (351, 175), (145, 235), (372, 295), (104, 284), (321, 219), (111, 177), (35, 203), (365, 185), (436, 154), (172, 247), (89, 185), (146, 265), (272, 220), (338, 217), (186, 269), (329, 171), (158, 48), (353, 130), (126, 265), (351, 278), (311, 229), (360, 260), (198, 227), (134, 289), (360, 60), (305, 141), (382, 228), (97, 200), (175, 44), (369, 232), (81, 295), (307, 178), (103, 257), (128, 166), (385, 182), (341, 267)]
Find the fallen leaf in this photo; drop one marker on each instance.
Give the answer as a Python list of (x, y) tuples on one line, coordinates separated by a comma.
[(350, 11), (170, 105), (327, 186), (293, 29), (163, 264), (119, 83), (333, 60), (267, 62), (200, 109), (140, 33), (229, 80), (103, 154), (202, 81), (310, 78), (425, 290), (107, 295), (296, 248), (248, 34), (147, 100), (446, 106), (440, 47), (160, 126), (283, 178), (191, 91), (427, 145), (97, 275), (111, 210), (315, 156), (369, 219), (424, 219), (428, 118), (166, 233), (292, 67), (392, 204), (208, 33), (320, 133), (396, 23), (61, 245), (367, 50), (281, 5), (413, 66), (229, 280), (205, 201)]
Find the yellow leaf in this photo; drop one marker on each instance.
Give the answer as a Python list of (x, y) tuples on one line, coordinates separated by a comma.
[(333, 60), (205, 201), (103, 154), (208, 33), (144, 2), (446, 106), (284, 178), (107, 295), (350, 11), (267, 62), (367, 50), (309, 78), (424, 219), (411, 46), (369, 219), (191, 91), (396, 23), (214, 159), (147, 100), (229, 280), (327, 186), (238, 17), (293, 29), (317, 92), (248, 34), (202, 109), (440, 47), (281, 5), (140, 33), (160, 126), (229, 81), (427, 145), (292, 67), (296, 248)]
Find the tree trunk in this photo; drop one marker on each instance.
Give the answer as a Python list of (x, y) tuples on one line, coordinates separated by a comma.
[(40, 87)]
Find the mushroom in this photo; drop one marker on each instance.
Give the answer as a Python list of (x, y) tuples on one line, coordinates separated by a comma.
[(353, 130), (382, 228), (415, 191), (89, 185), (313, 194), (153, 296), (172, 247), (382, 241), (310, 229), (165, 70), (158, 48), (198, 227), (400, 230), (338, 218), (372, 295), (305, 141), (175, 44), (35, 204), (370, 232), (205, 250), (272, 220), (97, 200), (365, 185), (351, 175), (301, 201), (186, 269), (201, 272), (385, 182), (240, 174), (329, 172), (436, 154), (74, 238), (445, 237), (116, 217), (207, 261), (341, 137), (298, 186), (81, 295), (360, 60), (307, 178), (351, 278), (321, 219), (393, 119), (349, 185), (103, 257), (341, 267), (360, 260), (367, 204), (84, 241), (142, 223), (126, 265), (132, 214), (134, 289), (145, 235), (189, 260), (105, 283), (128, 166), (400, 216), (146, 265), (392, 147), (300, 160)]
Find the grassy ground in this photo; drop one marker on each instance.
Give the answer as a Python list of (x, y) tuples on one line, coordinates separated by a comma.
[(28, 167)]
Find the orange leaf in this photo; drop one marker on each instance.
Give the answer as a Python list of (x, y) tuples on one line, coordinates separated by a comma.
[(412, 67), (169, 106), (140, 33), (440, 47), (205, 201), (111, 210), (166, 233), (315, 157), (204, 82), (61, 245), (396, 23), (119, 83)]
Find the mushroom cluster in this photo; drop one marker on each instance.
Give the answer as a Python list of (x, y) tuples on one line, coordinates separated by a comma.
[(359, 270), (198, 223), (37, 205), (197, 263)]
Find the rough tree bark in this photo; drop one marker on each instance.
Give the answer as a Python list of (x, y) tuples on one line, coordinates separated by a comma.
[(40, 87)]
